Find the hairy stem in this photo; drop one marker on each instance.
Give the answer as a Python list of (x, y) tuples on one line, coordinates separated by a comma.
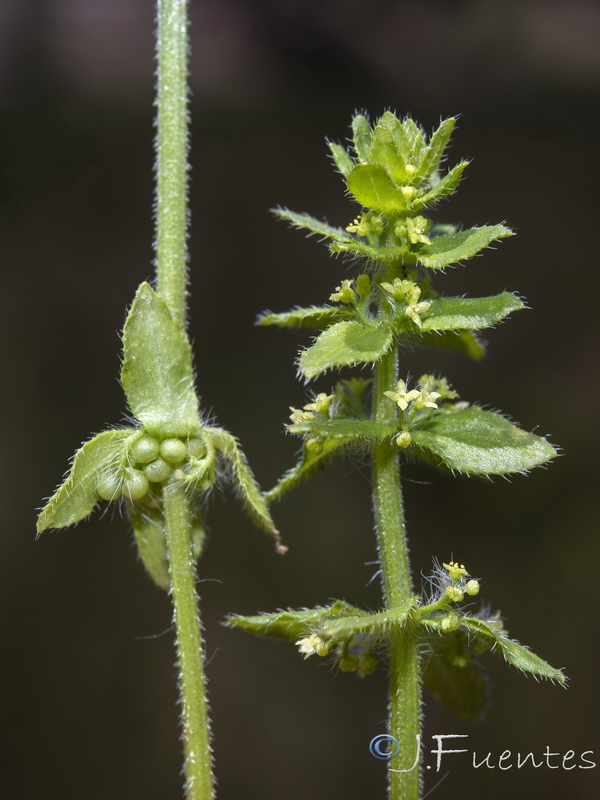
[(192, 682), (405, 682), (171, 283), (171, 155)]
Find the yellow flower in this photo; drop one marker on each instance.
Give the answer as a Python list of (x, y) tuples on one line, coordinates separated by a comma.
[(401, 397)]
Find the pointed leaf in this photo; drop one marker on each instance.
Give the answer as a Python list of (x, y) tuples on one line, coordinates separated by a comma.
[(157, 373), (289, 624), (481, 442), (342, 158), (443, 188), (385, 152), (469, 313), (401, 140), (356, 622), (361, 133), (415, 136), (244, 482), (314, 225), (77, 496), (149, 531), (437, 144), (310, 462), (453, 677), (381, 254), (344, 428), (450, 248), (463, 341), (345, 343), (373, 188), (516, 654), (319, 317)]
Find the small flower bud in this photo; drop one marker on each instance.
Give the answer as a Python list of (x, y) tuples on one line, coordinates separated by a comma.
[(472, 587), (366, 665), (454, 593), (349, 663), (450, 623), (314, 446), (173, 450), (363, 285), (409, 192), (403, 439), (410, 170)]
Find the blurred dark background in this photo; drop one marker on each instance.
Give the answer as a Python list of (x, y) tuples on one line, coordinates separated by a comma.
[(87, 698)]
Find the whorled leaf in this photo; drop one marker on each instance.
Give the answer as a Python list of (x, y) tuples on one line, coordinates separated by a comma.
[(76, 496), (446, 186), (157, 373), (316, 317), (343, 344), (314, 225), (373, 188), (453, 247), (148, 523), (435, 150), (243, 480), (451, 674), (290, 624), (469, 313), (341, 158), (516, 654), (361, 135), (466, 342), (479, 442), (310, 462), (345, 428)]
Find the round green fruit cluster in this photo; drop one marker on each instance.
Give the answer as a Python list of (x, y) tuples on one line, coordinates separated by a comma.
[(152, 461)]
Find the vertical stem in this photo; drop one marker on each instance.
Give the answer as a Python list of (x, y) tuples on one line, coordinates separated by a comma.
[(171, 155), (405, 680), (171, 282), (192, 683)]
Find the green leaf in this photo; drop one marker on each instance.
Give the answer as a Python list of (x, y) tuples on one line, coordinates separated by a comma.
[(381, 253), (402, 141), (76, 497), (480, 442), (469, 313), (314, 225), (356, 622), (453, 677), (244, 482), (345, 428), (342, 158), (437, 144), (289, 624), (442, 188), (415, 136), (463, 341), (516, 654), (345, 343), (450, 248), (149, 531), (310, 462), (373, 188), (157, 373), (319, 317), (361, 134), (385, 152)]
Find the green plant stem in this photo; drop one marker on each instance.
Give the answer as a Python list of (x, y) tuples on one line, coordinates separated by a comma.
[(405, 680), (171, 155), (192, 682), (171, 283)]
